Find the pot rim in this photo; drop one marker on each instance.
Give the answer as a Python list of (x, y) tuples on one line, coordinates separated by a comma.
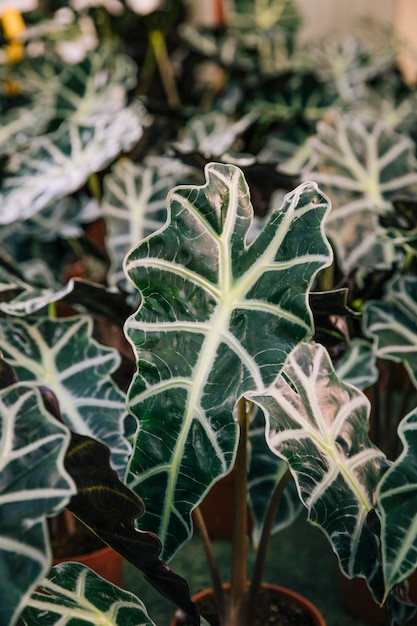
[(317, 616)]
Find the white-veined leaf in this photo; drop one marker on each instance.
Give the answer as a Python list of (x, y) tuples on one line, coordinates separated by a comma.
[(361, 164), (134, 198), (218, 317), (74, 594), (58, 164), (319, 425), (63, 356), (33, 485)]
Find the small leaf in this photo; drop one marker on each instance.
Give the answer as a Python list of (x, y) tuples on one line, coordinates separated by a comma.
[(362, 165), (59, 163), (319, 425), (134, 205)]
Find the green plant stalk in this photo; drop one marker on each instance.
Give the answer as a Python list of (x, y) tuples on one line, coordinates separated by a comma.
[(239, 540), (159, 49), (262, 550), (94, 186), (218, 591)]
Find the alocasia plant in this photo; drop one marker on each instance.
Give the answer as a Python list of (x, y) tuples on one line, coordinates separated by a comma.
[(218, 318)]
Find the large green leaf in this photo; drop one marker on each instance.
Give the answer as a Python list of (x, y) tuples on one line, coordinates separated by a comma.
[(63, 356), (74, 595), (33, 485), (397, 498), (319, 425), (392, 323), (59, 163), (218, 318), (362, 165)]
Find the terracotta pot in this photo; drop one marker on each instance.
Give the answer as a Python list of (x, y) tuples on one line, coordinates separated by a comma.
[(357, 598), (280, 592), (217, 509), (105, 562)]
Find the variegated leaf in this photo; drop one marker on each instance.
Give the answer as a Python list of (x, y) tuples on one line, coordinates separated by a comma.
[(319, 425), (58, 164), (134, 205), (33, 485), (74, 594), (362, 165), (397, 499), (392, 323), (63, 356), (218, 318), (96, 88)]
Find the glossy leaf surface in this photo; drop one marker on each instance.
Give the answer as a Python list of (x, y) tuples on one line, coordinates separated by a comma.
[(320, 426), (218, 319)]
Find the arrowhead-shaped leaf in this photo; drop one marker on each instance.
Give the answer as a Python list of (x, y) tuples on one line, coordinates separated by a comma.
[(33, 485), (218, 318), (320, 426), (62, 356)]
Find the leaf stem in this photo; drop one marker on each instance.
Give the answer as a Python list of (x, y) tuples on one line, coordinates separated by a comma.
[(159, 49), (262, 550), (239, 551), (211, 561)]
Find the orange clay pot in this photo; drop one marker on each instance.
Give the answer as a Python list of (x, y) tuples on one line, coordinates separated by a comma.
[(105, 562), (281, 592)]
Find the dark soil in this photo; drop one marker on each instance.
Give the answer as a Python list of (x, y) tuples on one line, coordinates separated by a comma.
[(272, 610)]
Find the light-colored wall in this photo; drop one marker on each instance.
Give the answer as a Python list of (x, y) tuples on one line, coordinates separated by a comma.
[(322, 16)]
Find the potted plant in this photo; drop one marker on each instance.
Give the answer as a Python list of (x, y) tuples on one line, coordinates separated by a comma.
[(79, 146), (322, 436)]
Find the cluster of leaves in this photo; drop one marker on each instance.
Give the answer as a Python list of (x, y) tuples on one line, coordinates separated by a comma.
[(99, 143)]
